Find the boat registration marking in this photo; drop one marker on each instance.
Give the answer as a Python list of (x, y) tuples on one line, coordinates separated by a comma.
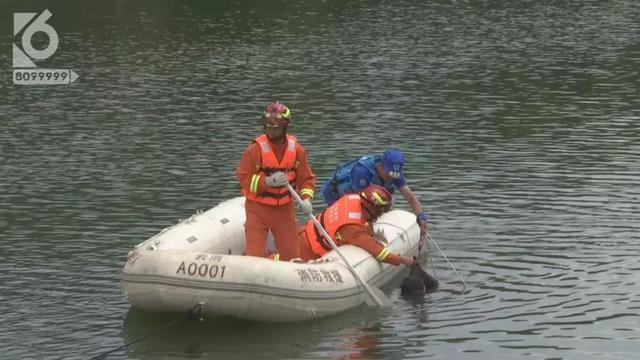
[(211, 271), (322, 275)]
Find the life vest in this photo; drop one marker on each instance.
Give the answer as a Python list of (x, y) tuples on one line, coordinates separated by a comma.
[(347, 210), (268, 165), (341, 180)]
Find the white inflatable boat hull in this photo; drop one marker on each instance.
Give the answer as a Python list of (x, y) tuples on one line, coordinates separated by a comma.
[(199, 261)]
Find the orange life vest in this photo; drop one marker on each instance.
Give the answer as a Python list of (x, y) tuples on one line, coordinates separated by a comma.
[(347, 210), (269, 165)]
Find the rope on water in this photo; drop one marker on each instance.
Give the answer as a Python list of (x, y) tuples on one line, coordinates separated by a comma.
[(430, 261), (195, 313)]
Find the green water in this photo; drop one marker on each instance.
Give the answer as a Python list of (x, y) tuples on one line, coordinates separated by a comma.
[(519, 122)]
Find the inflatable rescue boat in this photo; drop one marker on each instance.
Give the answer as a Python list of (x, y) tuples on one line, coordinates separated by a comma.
[(200, 261)]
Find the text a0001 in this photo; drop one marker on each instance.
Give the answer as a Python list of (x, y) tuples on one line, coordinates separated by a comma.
[(211, 271)]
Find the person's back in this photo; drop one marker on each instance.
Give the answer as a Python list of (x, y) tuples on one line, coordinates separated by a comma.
[(348, 221), (347, 178), (355, 175), (385, 170)]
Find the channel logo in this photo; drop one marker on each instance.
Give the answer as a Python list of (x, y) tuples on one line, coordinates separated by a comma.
[(25, 70)]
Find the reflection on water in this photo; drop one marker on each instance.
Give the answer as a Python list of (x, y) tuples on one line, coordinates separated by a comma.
[(519, 123)]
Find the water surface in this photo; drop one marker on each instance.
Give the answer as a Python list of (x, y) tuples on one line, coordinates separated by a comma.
[(519, 121)]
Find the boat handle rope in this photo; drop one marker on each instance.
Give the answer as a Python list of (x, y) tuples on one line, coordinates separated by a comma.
[(194, 313), (406, 233), (422, 239)]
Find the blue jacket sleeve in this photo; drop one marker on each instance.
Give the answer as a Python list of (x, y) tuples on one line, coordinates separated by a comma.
[(400, 182)]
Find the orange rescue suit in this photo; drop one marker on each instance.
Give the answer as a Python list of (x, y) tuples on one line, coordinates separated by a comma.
[(346, 222), (347, 210), (270, 165), (271, 208)]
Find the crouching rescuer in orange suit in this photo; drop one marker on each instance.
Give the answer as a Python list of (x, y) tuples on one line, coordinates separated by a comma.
[(270, 162), (349, 221)]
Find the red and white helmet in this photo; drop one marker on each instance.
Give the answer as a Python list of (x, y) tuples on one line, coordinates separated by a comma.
[(376, 199), (277, 114)]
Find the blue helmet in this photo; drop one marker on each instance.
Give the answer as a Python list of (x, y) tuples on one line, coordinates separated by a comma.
[(392, 161)]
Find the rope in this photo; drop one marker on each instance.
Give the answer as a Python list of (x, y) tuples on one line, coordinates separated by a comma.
[(394, 225), (192, 314), (423, 240), (447, 260), (430, 260)]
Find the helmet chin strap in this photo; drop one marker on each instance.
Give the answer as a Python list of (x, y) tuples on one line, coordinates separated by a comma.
[(372, 216)]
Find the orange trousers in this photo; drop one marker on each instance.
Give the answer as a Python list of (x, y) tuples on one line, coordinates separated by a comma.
[(282, 222)]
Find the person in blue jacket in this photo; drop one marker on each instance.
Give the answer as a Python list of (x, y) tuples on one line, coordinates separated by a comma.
[(385, 170)]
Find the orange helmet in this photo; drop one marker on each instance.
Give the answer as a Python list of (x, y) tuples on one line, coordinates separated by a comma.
[(376, 199), (277, 114)]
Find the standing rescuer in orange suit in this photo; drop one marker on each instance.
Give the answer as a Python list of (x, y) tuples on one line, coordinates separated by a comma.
[(270, 162), (348, 221)]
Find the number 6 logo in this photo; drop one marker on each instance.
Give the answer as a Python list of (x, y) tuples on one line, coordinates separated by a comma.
[(20, 20)]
